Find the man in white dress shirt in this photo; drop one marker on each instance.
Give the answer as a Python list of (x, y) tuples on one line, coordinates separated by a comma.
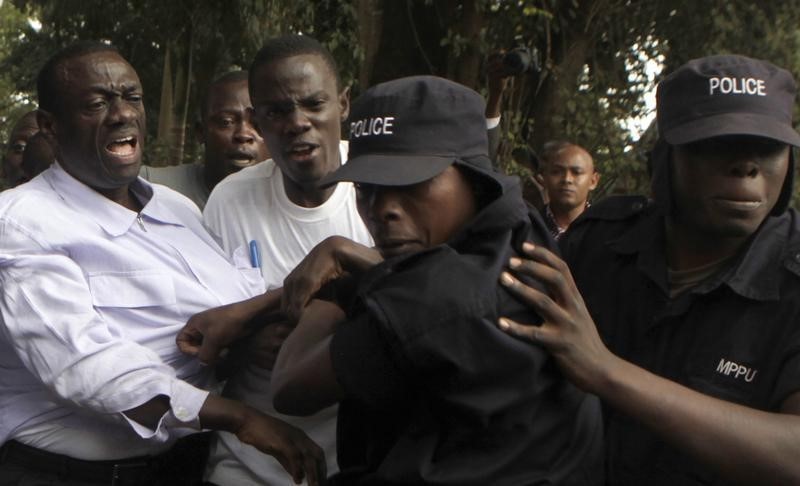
[(99, 271)]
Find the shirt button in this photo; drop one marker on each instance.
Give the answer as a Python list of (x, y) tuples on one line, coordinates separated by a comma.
[(182, 414)]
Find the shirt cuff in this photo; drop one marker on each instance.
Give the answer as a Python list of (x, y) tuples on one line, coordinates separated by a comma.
[(185, 403), (492, 122)]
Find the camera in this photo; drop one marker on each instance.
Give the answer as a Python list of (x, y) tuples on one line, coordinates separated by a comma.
[(521, 60)]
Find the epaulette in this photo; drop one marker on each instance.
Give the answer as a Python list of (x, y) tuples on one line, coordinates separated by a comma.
[(615, 208)]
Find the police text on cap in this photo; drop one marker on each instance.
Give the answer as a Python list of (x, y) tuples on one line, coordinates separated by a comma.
[(726, 85), (371, 126)]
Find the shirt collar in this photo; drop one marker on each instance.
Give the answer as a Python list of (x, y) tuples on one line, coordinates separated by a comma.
[(550, 220), (114, 218), (754, 274)]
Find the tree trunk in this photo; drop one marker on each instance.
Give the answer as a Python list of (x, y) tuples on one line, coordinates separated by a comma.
[(165, 114), (465, 68), (370, 27)]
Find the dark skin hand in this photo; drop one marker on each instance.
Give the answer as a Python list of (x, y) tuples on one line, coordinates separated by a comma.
[(260, 349), (745, 445), (333, 258), (497, 82), (299, 455), (263, 346), (208, 333)]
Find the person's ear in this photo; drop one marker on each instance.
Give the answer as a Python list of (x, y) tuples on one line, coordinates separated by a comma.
[(344, 103), (48, 127), (595, 180), (47, 124)]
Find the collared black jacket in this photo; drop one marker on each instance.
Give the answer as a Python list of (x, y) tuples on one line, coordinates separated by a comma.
[(736, 336), (436, 393)]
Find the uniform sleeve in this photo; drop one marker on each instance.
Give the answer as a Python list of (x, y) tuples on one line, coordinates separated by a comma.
[(362, 364), (49, 319), (788, 381)]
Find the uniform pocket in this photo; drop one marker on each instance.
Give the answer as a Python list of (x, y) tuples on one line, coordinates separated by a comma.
[(734, 380), (143, 288)]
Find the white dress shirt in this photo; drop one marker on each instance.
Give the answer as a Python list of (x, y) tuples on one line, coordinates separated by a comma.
[(93, 295)]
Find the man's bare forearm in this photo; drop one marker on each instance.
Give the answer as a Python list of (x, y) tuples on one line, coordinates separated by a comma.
[(303, 380)]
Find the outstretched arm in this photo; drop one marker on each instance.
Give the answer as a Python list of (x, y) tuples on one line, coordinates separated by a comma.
[(745, 445), (299, 455), (497, 77)]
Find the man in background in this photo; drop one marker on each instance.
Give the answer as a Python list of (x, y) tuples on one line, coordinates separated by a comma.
[(568, 177), (231, 142), (23, 130)]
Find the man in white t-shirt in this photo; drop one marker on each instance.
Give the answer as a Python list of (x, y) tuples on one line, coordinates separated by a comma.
[(276, 212)]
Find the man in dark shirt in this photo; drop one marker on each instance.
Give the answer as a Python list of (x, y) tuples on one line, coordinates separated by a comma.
[(568, 176), (696, 295), (431, 391)]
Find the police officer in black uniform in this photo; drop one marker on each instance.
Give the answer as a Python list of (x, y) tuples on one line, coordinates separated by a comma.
[(431, 391), (696, 295)]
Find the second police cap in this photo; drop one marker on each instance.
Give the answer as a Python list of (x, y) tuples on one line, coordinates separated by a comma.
[(726, 95)]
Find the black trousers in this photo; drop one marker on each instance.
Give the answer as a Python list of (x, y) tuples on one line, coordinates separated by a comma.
[(183, 465)]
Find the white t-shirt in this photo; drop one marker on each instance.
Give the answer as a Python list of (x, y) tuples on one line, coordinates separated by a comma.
[(252, 205)]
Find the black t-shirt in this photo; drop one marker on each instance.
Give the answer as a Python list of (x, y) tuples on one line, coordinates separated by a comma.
[(735, 336), (436, 393)]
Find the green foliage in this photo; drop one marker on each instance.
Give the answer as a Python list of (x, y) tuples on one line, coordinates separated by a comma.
[(595, 54), (14, 30), (206, 38)]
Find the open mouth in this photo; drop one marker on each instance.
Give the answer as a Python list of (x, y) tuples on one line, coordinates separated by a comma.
[(241, 159), (123, 147), (301, 151)]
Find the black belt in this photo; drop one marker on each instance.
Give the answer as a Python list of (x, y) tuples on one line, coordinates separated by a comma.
[(133, 471)]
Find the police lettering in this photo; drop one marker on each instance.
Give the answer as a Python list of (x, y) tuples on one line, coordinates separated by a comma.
[(729, 368), (749, 86), (372, 126)]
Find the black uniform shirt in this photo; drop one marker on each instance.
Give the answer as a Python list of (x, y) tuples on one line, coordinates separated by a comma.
[(735, 336), (436, 393)]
